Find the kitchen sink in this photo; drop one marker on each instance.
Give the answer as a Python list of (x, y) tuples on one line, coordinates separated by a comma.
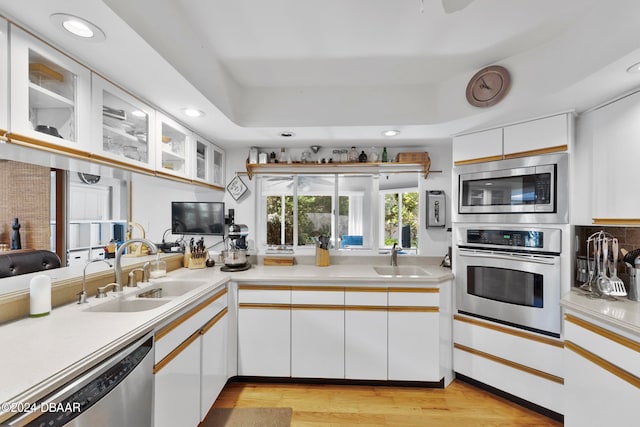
[(170, 288), (127, 305), (401, 271)]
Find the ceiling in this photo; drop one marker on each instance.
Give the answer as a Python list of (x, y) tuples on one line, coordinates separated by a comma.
[(338, 73)]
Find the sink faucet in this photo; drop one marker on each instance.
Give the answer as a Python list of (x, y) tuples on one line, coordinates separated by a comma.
[(82, 296), (394, 254), (118, 264)]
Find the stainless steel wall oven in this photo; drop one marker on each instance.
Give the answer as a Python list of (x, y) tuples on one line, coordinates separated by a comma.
[(510, 275)]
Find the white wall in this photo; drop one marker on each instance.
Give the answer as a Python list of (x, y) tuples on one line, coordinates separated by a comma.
[(151, 199), (432, 241)]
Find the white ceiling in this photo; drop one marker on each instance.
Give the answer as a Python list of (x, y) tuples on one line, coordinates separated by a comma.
[(339, 72)]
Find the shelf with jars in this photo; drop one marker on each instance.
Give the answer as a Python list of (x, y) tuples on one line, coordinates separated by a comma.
[(406, 163)]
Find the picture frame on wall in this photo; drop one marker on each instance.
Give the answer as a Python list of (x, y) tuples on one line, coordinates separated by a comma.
[(237, 188)]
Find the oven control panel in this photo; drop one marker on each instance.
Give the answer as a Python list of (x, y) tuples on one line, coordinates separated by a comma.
[(524, 239)]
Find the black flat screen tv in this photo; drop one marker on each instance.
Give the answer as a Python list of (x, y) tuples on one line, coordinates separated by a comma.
[(206, 218)]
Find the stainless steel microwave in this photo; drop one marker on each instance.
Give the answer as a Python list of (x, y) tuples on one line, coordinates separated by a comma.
[(524, 190)]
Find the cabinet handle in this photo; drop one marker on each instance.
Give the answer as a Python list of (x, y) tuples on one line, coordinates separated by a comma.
[(604, 364), (180, 320), (175, 352), (211, 323), (265, 306)]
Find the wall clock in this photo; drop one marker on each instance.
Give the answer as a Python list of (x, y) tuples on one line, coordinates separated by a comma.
[(88, 178), (488, 86)]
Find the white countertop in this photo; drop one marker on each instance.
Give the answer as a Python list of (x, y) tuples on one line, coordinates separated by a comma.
[(623, 313), (41, 354)]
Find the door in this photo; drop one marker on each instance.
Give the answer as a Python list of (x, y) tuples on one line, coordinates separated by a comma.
[(214, 361)]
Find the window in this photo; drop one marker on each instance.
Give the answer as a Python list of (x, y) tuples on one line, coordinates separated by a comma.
[(296, 210)]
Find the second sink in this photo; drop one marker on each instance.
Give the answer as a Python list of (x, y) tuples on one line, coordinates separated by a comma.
[(401, 271)]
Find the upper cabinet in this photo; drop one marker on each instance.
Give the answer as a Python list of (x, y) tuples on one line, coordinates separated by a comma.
[(208, 162), (50, 94), (173, 142), (122, 127), (4, 80), (541, 136)]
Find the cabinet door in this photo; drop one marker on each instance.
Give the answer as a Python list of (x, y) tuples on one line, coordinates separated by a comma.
[(615, 159), (4, 79), (218, 166), (478, 147), (214, 361), (50, 94), (537, 136), (414, 335), (177, 388), (264, 341), (317, 333), (202, 161), (122, 127), (366, 335), (173, 143)]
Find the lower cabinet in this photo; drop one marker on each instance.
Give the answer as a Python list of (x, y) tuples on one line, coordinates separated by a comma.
[(602, 374), (190, 363)]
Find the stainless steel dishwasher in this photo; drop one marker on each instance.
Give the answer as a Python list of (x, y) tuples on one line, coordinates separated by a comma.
[(116, 392)]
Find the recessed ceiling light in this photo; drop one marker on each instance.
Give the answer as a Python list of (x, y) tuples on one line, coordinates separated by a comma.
[(287, 134), (192, 112), (391, 132), (78, 27), (634, 69)]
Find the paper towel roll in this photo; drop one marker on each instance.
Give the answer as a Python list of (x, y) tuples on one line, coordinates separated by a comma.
[(40, 296)]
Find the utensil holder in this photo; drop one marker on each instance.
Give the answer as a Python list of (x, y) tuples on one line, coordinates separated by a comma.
[(322, 257), (195, 263)]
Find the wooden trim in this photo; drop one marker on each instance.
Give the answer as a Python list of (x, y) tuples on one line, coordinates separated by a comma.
[(616, 221), (548, 150), (510, 364), (413, 309), (26, 141), (611, 336), (180, 320), (265, 306), (211, 323), (263, 287), (120, 164), (319, 288), (175, 352), (477, 160), (366, 308), (504, 330), (604, 364), (165, 175), (333, 307), (416, 290), (364, 289), (207, 185)]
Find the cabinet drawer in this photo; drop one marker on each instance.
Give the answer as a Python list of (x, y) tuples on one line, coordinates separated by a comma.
[(318, 296), (373, 297), (264, 294), (410, 297), (179, 329)]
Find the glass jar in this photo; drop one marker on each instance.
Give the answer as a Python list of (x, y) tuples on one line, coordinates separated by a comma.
[(353, 155)]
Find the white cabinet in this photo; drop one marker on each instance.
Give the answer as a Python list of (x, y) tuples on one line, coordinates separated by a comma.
[(477, 147), (214, 348), (616, 155), (536, 136), (365, 327), (4, 76), (189, 362), (207, 162), (122, 127), (50, 95), (602, 374), (317, 333), (264, 331), (173, 142), (414, 334)]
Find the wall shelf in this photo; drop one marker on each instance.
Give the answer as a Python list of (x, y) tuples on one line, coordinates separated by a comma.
[(338, 168)]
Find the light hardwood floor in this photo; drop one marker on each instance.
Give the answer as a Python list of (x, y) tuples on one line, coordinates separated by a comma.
[(458, 405)]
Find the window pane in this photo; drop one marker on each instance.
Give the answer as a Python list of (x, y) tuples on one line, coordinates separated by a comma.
[(410, 220), (391, 219), (279, 226), (355, 201), (315, 207)]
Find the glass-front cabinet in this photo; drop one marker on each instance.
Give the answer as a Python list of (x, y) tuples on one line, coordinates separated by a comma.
[(4, 69), (50, 94), (173, 146), (122, 126), (208, 162)]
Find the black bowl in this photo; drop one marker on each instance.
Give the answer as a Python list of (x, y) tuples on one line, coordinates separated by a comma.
[(50, 130)]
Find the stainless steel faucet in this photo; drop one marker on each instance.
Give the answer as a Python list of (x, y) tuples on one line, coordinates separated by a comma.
[(394, 254), (82, 296), (118, 263)]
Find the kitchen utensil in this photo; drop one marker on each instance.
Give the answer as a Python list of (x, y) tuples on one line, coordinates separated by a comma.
[(604, 284), (631, 256), (234, 257), (617, 285)]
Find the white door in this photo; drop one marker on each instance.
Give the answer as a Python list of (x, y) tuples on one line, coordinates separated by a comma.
[(214, 361)]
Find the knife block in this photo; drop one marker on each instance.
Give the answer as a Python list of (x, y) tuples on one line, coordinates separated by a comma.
[(322, 257)]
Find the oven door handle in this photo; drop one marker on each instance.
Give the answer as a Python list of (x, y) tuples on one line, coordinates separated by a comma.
[(538, 259)]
